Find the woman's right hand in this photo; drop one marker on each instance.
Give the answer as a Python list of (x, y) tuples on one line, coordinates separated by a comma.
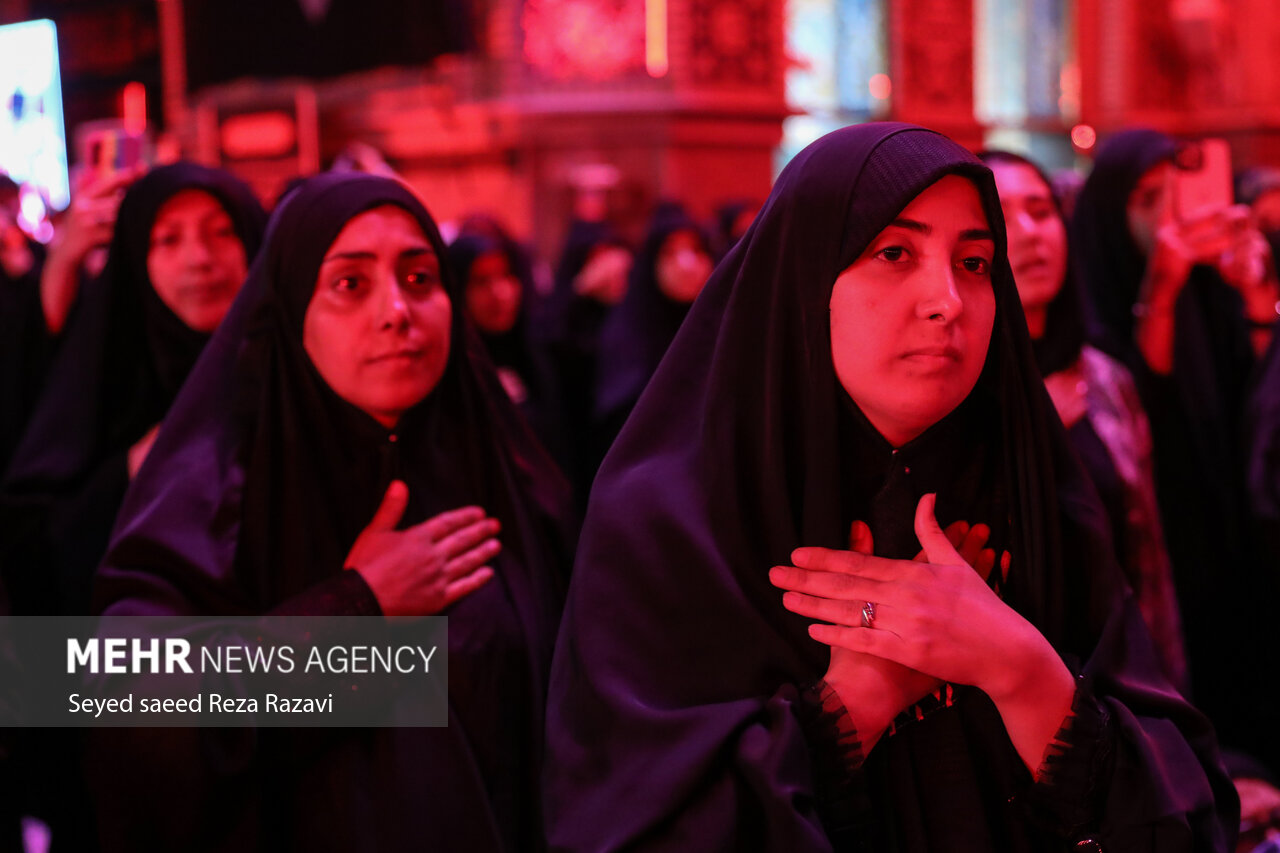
[(87, 225), (425, 568), (1179, 245), (91, 218)]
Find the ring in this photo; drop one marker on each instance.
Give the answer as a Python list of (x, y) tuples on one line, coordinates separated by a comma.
[(869, 614)]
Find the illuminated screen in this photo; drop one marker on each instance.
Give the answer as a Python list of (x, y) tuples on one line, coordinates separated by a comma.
[(33, 147)]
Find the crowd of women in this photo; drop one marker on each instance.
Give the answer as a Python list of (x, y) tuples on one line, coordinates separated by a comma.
[(917, 508)]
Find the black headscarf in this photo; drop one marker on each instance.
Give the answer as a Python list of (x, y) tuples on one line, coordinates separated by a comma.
[(122, 360), (672, 713), (257, 488), (1065, 327), (512, 348), (637, 332), (1110, 262)]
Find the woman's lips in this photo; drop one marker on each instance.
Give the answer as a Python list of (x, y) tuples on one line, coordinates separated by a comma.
[(405, 354), (942, 353)]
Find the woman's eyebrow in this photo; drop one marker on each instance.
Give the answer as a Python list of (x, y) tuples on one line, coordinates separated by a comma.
[(350, 256), (927, 229), (912, 225)]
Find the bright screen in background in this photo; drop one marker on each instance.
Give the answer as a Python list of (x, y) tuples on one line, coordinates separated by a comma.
[(33, 149)]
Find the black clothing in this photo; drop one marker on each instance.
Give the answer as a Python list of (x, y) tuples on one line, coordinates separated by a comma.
[(572, 327), (674, 713), (251, 501), (26, 347), (119, 366)]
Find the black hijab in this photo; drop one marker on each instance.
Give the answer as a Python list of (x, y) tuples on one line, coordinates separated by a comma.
[(263, 477), (511, 348), (122, 360), (672, 713), (637, 332), (1065, 327), (1110, 262)]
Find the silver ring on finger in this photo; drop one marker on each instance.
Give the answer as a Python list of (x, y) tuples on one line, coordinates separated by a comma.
[(869, 614)]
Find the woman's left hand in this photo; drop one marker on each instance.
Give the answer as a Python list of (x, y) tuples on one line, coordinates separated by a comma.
[(938, 617)]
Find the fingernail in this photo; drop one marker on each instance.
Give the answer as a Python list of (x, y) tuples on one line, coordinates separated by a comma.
[(777, 575)]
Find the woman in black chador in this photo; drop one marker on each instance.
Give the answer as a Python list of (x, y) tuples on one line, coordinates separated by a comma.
[(499, 303), (1188, 305), (752, 660), (345, 448), (178, 256), (668, 273), (590, 279)]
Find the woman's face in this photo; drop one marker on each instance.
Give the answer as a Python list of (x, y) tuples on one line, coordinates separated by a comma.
[(196, 261), (683, 267), (378, 324), (1145, 209), (493, 294), (1037, 235), (911, 318)]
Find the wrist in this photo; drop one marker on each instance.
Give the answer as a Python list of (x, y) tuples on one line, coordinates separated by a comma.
[(867, 703), (1029, 669)]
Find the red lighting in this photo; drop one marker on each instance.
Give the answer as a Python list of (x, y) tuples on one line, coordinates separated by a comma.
[(880, 86), (1083, 136), (655, 37), (133, 108)]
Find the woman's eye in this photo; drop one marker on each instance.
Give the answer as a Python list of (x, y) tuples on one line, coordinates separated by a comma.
[(166, 240), (346, 284), (421, 278), (892, 254), (977, 266)]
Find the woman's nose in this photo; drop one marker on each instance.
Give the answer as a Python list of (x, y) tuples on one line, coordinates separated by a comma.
[(198, 253), (394, 308), (939, 298)]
